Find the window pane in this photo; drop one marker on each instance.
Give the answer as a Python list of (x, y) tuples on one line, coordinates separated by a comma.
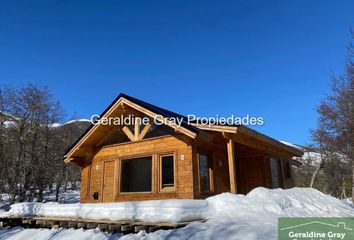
[(167, 171), (274, 168), (204, 173), (136, 175), (287, 169)]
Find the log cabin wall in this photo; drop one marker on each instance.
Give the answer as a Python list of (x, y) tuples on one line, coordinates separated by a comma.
[(102, 174), (252, 169)]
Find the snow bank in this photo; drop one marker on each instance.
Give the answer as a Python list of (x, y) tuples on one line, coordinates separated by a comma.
[(255, 216), (295, 202), (248, 217), (149, 211)]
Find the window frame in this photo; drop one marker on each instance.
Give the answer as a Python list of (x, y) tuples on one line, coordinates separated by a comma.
[(287, 169), (209, 156), (279, 165), (162, 189), (132, 157)]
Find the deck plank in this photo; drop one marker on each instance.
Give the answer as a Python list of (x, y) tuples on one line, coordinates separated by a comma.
[(103, 225)]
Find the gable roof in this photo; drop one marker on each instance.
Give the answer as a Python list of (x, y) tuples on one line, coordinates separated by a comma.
[(152, 108), (161, 111), (189, 129)]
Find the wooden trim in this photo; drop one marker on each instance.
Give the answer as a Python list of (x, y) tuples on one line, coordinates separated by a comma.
[(232, 165), (144, 131), (198, 168), (211, 173), (142, 140), (118, 173), (129, 134), (162, 189), (217, 128), (90, 190), (88, 181), (116, 178), (154, 174), (159, 117), (100, 198), (136, 128), (136, 142)]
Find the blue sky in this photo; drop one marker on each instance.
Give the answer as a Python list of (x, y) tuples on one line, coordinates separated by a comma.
[(264, 58)]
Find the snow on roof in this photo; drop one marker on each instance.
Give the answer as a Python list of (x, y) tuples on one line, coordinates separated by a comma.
[(298, 147)]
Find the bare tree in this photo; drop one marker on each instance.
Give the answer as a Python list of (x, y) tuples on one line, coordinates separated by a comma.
[(31, 147), (335, 132)]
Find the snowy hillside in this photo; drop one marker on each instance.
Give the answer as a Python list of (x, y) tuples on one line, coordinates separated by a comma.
[(251, 217), (12, 121), (310, 155), (71, 122)]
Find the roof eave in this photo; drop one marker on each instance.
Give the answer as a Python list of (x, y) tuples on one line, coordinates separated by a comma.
[(248, 131)]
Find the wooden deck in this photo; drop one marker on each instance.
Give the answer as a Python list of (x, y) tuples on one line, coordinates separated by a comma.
[(103, 225)]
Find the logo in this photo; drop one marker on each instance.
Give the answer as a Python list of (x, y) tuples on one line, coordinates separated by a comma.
[(335, 228)]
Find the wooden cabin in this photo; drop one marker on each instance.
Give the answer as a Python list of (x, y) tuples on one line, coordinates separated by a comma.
[(160, 161)]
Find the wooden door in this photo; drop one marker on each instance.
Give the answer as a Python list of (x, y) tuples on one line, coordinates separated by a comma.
[(108, 182)]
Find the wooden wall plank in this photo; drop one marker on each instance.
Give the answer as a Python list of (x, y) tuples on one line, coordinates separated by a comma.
[(168, 144)]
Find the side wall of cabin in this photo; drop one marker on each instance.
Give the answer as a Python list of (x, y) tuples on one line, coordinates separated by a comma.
[(254, 168), (101, 176)]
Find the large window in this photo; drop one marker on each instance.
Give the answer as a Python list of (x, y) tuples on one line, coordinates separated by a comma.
[(204, 172), (136, 175), (167, 171)]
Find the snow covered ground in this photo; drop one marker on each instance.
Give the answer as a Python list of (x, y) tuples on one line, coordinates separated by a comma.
[(68, 196), (252, 217), (149, 211)]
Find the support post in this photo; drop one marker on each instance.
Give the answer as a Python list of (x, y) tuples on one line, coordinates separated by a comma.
[(137, 128), (232, 165)]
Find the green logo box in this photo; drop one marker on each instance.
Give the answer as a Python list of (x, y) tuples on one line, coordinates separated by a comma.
[(329, 228)]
